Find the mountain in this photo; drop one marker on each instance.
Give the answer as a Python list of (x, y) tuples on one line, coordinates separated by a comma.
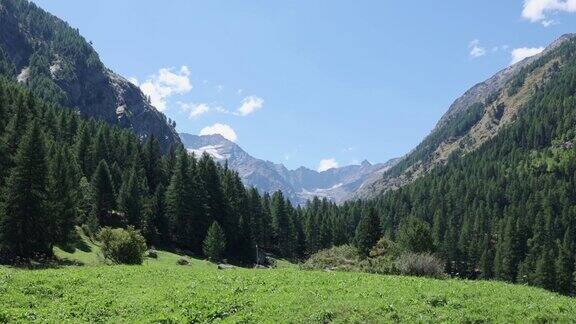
[(474, 118), (60, 66), (299, 185)]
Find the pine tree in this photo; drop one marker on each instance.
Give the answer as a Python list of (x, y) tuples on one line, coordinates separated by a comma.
[(545, 275), (281, 225), (82, 148), (415, 236), (157, 224), (62, 193), (246, 246), (104, 197), (152, 165), (179, 202), (130, 200), (368, 232), (565, 265), (215, 243), (25, 215)]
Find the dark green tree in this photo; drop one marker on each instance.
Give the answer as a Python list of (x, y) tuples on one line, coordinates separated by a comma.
[(25, 216), (215, 243), (415, 236), (368, 231)]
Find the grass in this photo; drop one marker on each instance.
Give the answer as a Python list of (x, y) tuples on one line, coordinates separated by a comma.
[(162, 292)]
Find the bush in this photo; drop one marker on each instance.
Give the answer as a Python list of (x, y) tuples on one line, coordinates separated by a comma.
[(424, 265), (345, 258), (124, 246), (384, 247), (384, 265)]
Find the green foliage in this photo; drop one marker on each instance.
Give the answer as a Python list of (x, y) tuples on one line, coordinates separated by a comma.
[(367, 232), (104, 197), (414, 236), (422, 265), (25, 217), (342, 258), (215, 243), (123, 246)]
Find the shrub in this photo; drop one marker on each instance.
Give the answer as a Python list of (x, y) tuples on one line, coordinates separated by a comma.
[(345, 258), (384, 265), (424, 265), (384, 247), (125, 246)]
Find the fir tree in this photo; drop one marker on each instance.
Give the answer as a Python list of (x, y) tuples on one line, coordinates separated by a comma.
[(565, 265), (281, 225), (62, 193), (368, 232), (415, 236), (215, 243), (130, 200), (25, 214), (104, 197)]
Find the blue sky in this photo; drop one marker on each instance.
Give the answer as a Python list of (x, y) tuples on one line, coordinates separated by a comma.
[(299, 82)]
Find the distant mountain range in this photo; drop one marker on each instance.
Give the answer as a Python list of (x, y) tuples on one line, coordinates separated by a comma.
[(299, 185)]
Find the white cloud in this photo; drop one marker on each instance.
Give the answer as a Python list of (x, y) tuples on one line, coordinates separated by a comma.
[(250, 105), (222, 129), (539, 10), (222, 110), (166, 83), (196, 109), (475, 49), (518, 54), (327, 164)]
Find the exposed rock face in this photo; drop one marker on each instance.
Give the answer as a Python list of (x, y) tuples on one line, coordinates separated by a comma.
[(57, 64), (472, 119), (299, 185)]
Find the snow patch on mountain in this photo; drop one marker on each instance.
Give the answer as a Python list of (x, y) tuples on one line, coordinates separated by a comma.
[(298, 185)]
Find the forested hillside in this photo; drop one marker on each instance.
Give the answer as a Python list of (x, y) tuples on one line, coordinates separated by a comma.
[(58, 65), (507, 210), (58, 170), (472, 119)]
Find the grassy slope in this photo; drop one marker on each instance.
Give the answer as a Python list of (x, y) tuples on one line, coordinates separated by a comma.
[(161, 291)]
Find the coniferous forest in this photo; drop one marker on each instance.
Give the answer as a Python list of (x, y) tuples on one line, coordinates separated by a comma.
[(504, 211)]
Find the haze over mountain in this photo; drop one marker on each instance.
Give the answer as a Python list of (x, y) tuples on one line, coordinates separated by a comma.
[(299, 185)]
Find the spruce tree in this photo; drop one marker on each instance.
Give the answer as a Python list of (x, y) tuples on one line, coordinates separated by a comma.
[(281, 225), (415, 236), (104, 197), (152, 165), (565, 265), (130, 200), (545, 275), (179, 202), (368, 232), (215, 243), (25, 214), (63, 195)]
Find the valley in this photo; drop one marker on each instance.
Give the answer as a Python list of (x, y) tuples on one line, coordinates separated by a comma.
[(109, 214)]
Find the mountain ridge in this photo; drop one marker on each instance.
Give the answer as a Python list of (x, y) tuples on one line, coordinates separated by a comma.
[(58, 65), (472, 119), (299, 185)]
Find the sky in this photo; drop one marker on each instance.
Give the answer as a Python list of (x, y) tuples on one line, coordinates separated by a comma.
[(315, 83)]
